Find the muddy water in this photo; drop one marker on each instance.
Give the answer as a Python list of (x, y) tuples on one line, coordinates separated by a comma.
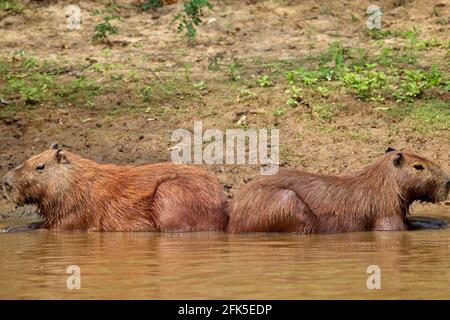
[(216, 265)]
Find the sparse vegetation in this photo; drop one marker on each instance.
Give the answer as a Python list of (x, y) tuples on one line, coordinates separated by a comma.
[(378, 77), (147, 93), (394, 80), (11, 7), (264, 81), (151, 4), (233, 69), (295, 98), (191, 16), (105, 28)]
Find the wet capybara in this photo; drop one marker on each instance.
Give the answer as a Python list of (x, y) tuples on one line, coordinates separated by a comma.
[(73, 193), (376, 197)]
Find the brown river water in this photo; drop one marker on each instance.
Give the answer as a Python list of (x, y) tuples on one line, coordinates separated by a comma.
[(414, 264)]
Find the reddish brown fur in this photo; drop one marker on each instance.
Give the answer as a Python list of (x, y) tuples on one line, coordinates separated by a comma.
[(73, 193), (376, 197)]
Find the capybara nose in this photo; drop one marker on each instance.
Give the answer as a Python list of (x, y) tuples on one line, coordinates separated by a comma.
[(6, 184), (448, 184)]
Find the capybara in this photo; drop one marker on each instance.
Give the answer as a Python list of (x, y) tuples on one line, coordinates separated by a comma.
[(73, 193), (376, 197)]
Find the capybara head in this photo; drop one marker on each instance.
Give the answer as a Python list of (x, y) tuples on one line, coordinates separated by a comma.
[(38, 177), (418, 178)]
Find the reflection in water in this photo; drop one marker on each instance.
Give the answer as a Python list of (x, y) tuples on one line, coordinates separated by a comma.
[(217, 265)]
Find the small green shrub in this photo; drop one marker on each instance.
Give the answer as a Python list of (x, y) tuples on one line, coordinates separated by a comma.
[(324, 112), (199, 85), (151, 4), (414, 82), (295, 97), (191, 16), (233, 69), (11, 7), (264, 81), (279, 112), (366, 83), (105, 28), (147, 93)]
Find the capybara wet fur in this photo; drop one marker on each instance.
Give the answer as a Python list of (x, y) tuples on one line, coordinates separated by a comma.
[(73, 193), (376, 197)]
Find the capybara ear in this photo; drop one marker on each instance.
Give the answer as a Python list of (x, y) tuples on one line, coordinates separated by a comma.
[(54, 146), (398, 159), (61, 156), (389, 149)]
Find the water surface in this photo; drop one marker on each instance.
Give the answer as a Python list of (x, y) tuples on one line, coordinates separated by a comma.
[(413, 264)]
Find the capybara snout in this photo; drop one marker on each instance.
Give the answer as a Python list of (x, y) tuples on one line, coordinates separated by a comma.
[(7, 185), (419, 178), (36, 178), (9, 188)]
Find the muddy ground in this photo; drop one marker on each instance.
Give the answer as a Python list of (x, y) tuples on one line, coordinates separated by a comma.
[(330, 132)]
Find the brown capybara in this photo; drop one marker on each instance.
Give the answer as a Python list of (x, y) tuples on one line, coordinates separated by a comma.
[(73, 193), (376, 197)]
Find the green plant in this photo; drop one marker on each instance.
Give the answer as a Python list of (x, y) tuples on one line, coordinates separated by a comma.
[(336, 51), (187, 72), (309, 77), (410, 55), (105, 52), (322, 90), (434, 112), (191, 16), (414, 82), (246, 94), (20, 53), (81, 87), (324, 112), (335, 54), (279, 112), (4, 68), (428, 44), (11, 7), (377, 34), (199, 85), (264, 81), (117, 77), (366, 83), (233, 69), (385, 57), (105, 28), (295, 97), (32, 91), (434, 77), (147, 93), (29, 63), (429, 114), (151, 4)]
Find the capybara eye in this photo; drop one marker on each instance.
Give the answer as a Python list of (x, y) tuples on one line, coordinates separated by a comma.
[(418, 167), (40, 167)]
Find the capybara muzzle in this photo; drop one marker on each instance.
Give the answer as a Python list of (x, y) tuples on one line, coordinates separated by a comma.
[(7, 185)]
